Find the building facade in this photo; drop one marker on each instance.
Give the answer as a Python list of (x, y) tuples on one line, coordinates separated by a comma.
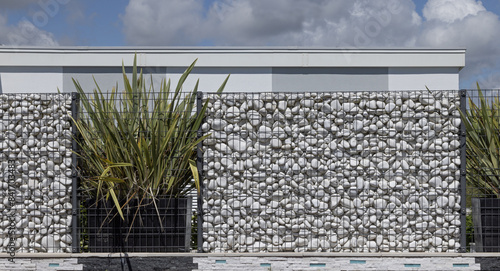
[(45, 70)]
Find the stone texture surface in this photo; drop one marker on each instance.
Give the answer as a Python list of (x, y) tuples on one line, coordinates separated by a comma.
[(43, 264), (252, 262), (35, 172), (336, 172), (336, 263)]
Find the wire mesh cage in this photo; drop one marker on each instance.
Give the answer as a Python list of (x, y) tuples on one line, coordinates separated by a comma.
[(35, 163), (341, 171), (338, 172)]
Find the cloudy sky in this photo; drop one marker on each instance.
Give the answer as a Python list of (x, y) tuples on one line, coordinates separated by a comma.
[(470, 24)]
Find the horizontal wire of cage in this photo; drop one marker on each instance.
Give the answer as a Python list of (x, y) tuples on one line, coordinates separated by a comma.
[(335, 172)]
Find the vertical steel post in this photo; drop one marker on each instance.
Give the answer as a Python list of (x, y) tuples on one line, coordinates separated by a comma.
[(463, 172), (75, 240), (199, 165)]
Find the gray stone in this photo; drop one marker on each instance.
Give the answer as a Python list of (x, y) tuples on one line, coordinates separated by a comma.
[(238, 145), (219, 124)]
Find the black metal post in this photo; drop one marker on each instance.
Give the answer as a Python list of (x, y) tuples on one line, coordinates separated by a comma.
[(199, 165), (75, 237), (463, 172)]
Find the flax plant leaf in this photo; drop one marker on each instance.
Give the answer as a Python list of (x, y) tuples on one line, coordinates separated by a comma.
[(139, 144), (482, 127)]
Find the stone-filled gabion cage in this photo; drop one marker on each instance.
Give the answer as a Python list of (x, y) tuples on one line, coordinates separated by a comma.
[(337, 172), (35, 172)]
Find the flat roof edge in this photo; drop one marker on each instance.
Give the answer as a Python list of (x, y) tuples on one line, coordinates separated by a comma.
[(230, 57), (132, 49)]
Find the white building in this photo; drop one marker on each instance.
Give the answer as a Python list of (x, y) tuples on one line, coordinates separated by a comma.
[(29, 69)]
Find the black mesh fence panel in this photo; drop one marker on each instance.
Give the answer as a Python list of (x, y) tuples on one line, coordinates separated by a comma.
[(483, 172), (145, 149)]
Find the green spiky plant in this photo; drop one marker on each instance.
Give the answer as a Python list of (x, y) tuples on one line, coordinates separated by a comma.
[(139, 144), (482, 124)]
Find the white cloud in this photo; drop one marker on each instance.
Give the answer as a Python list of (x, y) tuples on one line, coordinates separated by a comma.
[(24, 33), (468, 26), (17, 4), (28, 31), (159, 22), (486, 80), (277, 22), (451, 10), (340, 23)]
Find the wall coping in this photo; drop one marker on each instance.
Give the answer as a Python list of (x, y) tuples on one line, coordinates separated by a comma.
[(218, 57), (269, 254)]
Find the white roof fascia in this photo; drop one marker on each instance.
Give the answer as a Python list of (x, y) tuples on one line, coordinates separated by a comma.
[(230, 57)]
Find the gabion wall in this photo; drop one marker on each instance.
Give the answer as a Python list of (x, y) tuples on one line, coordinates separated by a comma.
[(35, 175), (354, 171)]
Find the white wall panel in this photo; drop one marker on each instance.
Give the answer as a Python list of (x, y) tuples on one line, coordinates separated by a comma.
[(241, 79), (31, 79), (419, 78)]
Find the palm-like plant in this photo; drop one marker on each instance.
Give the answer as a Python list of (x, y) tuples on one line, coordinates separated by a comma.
[(139, 144), (482, 124)]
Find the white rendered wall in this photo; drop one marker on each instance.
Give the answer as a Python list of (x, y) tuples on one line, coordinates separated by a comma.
[(240, 80), (419, 78), (31, 79)]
